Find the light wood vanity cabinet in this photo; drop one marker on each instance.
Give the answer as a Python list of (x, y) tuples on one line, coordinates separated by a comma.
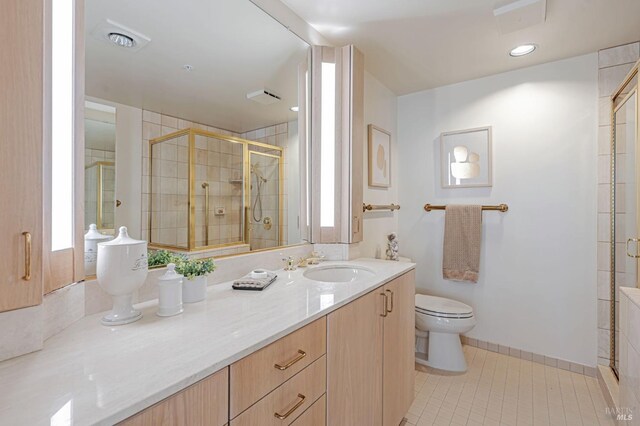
[(398, 350), (254, 376), (354, 366), (203, 403), (21, 115), (286, 403), (370, 356)]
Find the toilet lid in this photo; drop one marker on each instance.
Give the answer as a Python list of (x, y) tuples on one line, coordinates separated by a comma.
[(442, 307)]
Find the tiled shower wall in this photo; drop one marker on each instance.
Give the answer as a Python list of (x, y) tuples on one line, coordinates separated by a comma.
[(155, 125), (613, 64)]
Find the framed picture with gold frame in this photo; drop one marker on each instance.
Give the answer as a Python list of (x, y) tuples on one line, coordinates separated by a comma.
[(379, 157)]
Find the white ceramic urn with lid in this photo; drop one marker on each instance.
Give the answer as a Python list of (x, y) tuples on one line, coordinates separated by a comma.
[(121, 270), (91, 240)]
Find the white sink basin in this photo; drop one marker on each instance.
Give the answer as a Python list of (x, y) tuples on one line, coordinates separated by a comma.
[(338, 273)]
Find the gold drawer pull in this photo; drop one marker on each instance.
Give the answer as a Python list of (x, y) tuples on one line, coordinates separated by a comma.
[(385, 304), (301, 354), (27, 256), (294, 408), (384, 307)]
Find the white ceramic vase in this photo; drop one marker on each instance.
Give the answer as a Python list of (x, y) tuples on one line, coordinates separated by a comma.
[(91, 240), (194, 290), (121, 270), (170, 292)]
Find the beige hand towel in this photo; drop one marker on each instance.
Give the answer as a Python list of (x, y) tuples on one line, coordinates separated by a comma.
[(462, 235)]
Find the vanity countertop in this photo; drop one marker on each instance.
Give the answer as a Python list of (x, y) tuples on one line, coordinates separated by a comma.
[(91, 374)]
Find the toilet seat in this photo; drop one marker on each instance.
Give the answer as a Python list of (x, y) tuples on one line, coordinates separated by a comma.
[(442, 307)]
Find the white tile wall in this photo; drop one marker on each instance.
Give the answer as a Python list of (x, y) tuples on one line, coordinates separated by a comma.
[(22, 332)]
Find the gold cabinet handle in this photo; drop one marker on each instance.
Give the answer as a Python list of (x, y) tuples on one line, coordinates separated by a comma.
[(633, 240), (301, 354), (292, 409), (27, 256), (385, 305)]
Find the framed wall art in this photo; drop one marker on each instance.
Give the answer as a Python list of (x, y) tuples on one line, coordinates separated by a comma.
[(465, 158), (379, 157)]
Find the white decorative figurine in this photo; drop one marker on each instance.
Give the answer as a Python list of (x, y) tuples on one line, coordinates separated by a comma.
[(121, 270), (392, 247)]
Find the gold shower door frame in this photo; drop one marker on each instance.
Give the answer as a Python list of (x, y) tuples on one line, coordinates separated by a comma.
[(99, 181), (621, 95), (246, 174)]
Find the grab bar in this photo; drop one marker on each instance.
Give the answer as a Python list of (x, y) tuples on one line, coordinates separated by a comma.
[(205, 186), (370, 207)]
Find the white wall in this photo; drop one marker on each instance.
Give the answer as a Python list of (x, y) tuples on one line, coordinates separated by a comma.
[(129, 168), (537, 286), (380, 109)]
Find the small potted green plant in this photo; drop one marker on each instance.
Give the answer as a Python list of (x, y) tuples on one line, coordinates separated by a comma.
[(158, 258), (194, 287)]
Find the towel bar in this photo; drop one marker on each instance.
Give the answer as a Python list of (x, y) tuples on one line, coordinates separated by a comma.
[(500, 207)]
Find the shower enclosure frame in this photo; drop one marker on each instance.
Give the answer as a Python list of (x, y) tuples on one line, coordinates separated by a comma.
[(191, 133), (622, 94), (99, 186)]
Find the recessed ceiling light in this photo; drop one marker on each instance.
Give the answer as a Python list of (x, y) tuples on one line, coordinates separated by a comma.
[(523, 49), (294, 108), (187, 67), (122, 40)]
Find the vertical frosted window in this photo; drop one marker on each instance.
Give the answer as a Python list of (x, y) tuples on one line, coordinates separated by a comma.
[(62, 124), (328, 145)]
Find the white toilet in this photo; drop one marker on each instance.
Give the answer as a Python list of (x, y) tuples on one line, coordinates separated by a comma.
[(444, 320)]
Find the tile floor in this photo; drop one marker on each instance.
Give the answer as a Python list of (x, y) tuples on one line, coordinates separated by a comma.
[(499, 389)]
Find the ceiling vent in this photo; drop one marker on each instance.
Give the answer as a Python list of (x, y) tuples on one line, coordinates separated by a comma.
[(118, 35), (263, 97), (520, 14)]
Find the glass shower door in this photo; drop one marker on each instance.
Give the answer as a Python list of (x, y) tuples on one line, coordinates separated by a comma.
[(625, 224)]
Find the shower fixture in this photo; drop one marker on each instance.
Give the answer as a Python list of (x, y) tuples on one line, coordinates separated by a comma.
[(257, 203)]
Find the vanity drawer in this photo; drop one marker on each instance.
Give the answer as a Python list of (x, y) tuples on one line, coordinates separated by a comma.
[(254, 376), (201, 404), (316, 415), (290, 400)]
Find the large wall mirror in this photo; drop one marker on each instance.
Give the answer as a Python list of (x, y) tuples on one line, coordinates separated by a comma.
[(192, 125)]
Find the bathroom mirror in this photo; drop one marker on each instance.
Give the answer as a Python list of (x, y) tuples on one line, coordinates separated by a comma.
[(625, 213), (205, 99)]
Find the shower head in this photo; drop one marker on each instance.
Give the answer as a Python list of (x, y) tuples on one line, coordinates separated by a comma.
[(256, 171)]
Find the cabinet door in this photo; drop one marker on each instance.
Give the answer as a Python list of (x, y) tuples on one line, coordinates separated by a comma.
[(399, 344), (21, 76), (354, 362), (205, 403)]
